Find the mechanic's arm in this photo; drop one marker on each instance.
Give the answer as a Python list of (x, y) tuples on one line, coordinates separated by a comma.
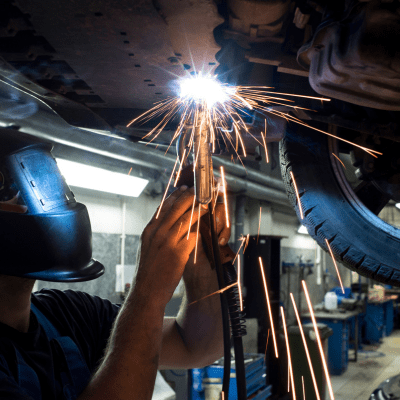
[(195, 338), (130, 364)]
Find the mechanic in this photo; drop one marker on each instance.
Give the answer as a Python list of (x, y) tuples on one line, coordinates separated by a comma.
[(71, 345)]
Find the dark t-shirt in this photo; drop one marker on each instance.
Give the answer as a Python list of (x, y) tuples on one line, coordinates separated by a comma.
[(86, 319)]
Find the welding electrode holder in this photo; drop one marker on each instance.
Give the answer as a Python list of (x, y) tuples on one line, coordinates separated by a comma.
[(203, 170)]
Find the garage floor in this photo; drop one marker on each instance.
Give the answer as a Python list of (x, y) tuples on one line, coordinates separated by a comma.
[(374, 365)]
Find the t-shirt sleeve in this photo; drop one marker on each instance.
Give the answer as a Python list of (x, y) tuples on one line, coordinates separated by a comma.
[(10, 390), (87, 319), (8, 387)]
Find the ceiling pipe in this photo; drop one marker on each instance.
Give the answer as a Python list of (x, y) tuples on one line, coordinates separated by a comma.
[(46, 124)]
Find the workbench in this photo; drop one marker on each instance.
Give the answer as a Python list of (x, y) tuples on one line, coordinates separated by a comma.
[(338, 343)]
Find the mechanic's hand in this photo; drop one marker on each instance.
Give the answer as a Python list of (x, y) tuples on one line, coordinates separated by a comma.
[(201, 268), (164, 249)]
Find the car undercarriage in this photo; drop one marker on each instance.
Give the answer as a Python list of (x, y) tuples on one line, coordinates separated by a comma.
[(76, 72)]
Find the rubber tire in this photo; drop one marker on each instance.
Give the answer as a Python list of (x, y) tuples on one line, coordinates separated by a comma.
[(359, 239)]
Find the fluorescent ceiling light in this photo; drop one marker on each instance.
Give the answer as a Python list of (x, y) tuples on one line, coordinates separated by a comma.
[(302, 229), (88, 177)]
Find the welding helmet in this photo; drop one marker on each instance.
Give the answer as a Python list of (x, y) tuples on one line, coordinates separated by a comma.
[(44, 233)]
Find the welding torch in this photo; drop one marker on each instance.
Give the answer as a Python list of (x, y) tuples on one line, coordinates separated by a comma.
[(232, 318)]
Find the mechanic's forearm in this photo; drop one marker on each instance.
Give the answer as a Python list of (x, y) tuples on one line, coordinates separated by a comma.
[(129, 368), (199, 320)]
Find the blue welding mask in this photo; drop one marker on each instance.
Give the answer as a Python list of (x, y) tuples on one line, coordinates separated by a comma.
[(44, 233)]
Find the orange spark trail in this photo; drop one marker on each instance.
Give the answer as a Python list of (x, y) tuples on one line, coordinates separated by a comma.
[(180, 167), (259, 225), (239, 286), (334, 262), (341, 162), (304, 389), (269, 307), (191, 217), (266, 347), (216, 197), (247, 242), (212, 294), (166, 190), (130, 171), (288, 353), (197, 236), (265, 143), (321, 350), (305, 347), (265, 148), (243, 240), (180, 226), (297, 195), (225, 199)]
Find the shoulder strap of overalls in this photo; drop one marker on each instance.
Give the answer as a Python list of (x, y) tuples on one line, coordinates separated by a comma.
[(78, 376)]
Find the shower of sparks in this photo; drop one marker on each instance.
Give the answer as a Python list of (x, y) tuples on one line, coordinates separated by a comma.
[(180, 167), (214, 293), (239, 286), (321, 349), (266, 346), (204, 104), (334, 262), (341, 162), (197, 236), (288, 353), (304, 389), (297, 195), (166, 189), (225, 197), (269, 307), (259, 225), (191, 217), (130, 171), (303, 336)]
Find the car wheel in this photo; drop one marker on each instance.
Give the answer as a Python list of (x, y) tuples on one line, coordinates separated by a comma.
[(334, 209)]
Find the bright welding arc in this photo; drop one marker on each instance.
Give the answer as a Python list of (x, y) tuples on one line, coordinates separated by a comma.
[(269, 307)]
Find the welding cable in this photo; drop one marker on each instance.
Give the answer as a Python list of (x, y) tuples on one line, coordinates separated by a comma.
[(238, 328), (224, 303)]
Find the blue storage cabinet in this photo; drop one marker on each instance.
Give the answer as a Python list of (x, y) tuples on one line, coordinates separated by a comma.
[(338, 343), (255, 379), (375, 327)]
